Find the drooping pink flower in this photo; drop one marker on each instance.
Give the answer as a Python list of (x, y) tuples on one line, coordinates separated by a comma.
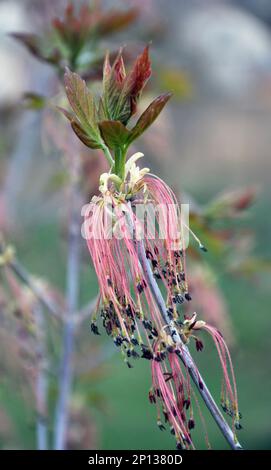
[(143, 209), (171, 390)]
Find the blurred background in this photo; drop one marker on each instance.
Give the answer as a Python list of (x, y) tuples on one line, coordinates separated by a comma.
[(212, 145)]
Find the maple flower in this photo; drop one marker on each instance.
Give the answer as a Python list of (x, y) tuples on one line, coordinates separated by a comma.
[(136, 210)]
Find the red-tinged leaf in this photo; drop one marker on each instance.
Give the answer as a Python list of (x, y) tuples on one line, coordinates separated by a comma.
[(67, 114), (106, 73), (79, 131), (82, 103), (114, 133), (88, 141), (137, 78), (149, 116), (34, 45), (80, 98), (118, 69), (112, 88), (31, 41), (115, 21)]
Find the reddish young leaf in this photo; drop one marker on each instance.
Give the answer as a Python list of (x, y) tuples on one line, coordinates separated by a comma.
[(70, 116), (118, 69), (149, 116), (88, 141), (82, 103), (34, 45), (30, 41), (137, 78), (114, 78), (114, 133), (115, 21), (79, 131)]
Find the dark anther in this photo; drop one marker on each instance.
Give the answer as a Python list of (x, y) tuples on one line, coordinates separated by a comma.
[(156, 274), (154, 263), (172, 431), (141, 286), (168, 376), (161, 426), (165, 416), (170, 349), (156, 251), (179, 445), (237, 425), (157, 357), (224, 407), (129, 365), (170, 314), (147, 324), (125, 340), (146, 353), (118, 340), (201, 385), (109, 282), (150, 337), (94, 328), (186, 403), (163, 355), (199, 345), (191, 424), (154, 332), (187, 296), (129, 353), (158, 393), (173, 333), (181, 276), (134, 341), (203, 248), (149, 254), (152, 398), (128, 310)]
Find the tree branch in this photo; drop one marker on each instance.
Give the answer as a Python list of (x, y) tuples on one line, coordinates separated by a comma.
[(41, 381), (66, 371), (28, 279)]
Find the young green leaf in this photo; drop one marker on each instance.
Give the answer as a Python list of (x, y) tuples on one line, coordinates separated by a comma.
[(149, 116), (79, 131), (114, 133), (84, 120), (81, 101)]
